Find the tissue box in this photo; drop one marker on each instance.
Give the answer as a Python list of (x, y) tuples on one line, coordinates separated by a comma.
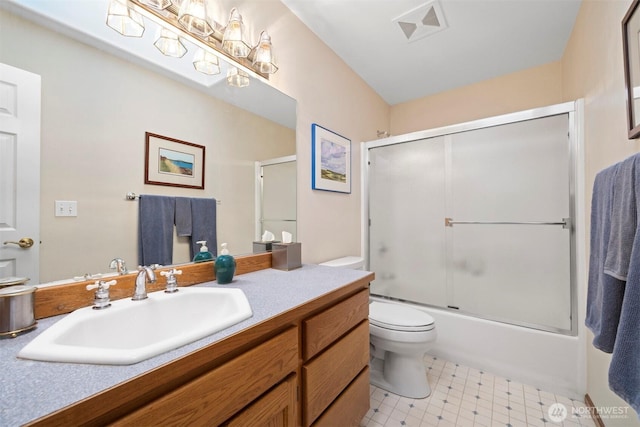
[(286, 256), (259, 247)]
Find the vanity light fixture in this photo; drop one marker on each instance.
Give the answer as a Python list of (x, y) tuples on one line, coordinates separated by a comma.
[(158, 4), (169, 44), (237, 77), (233, 38), (124, 20), (206, 62), (189, 20), (193, 17), (263, 59)]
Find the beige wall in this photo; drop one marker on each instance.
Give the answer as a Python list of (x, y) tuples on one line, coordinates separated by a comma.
[(534, 87), (96, 109), (593, 69), (330, 94)]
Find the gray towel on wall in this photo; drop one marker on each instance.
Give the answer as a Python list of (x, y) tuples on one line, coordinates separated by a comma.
[(183, 216), (203, 225), (605, 292), (155, 229), (623, 220), (624, 371)]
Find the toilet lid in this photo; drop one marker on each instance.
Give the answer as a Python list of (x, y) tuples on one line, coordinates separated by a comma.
[(399, 318)]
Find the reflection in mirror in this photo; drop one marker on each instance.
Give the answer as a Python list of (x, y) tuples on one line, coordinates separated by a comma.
[(631, 49), (97, 104), (276, 197)]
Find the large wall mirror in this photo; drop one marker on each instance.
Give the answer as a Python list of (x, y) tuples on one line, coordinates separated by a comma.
[(98, 100), (631, 53)]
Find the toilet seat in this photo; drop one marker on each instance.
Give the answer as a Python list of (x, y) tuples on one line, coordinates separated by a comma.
[(397, 318)]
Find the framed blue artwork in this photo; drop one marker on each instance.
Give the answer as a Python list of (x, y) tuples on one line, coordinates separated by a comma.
[(330, 160)]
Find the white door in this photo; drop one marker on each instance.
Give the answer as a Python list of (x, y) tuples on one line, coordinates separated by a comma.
[(19, 173)]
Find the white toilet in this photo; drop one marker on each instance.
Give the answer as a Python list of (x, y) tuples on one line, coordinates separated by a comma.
[(399, 336)]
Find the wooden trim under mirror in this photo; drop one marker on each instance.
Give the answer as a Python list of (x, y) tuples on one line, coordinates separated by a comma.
[(65, 298)]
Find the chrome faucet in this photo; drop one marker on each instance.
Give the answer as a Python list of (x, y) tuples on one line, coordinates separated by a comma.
[(118, 265), (144, 273)]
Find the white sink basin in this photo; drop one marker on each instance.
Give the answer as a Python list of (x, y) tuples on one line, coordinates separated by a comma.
[(131, 331)]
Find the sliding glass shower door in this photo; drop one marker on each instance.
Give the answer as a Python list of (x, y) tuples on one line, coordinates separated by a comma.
[(406, 239), (477, 221)]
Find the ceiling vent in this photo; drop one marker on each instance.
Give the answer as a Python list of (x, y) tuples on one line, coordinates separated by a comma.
[(422, 21)]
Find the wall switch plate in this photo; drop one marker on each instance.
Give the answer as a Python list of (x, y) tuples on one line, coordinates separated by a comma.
[(66, 208)]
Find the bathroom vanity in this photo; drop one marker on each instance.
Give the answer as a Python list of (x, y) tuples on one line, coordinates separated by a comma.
[(302, 359)]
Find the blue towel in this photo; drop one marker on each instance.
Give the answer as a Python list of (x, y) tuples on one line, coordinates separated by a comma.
[(623, 220), (203, 225), (605, 293), (183, 217), (624, 371), (155, 225)]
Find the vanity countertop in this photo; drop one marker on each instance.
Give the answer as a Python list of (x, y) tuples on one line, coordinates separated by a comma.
[(32, 389)]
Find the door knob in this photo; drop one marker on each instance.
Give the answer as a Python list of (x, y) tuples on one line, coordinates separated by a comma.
[(24, 243)]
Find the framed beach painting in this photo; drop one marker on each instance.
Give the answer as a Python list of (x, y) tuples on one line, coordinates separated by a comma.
[(172, 162), (330, 160)]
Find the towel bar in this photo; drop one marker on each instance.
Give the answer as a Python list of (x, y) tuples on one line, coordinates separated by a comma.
[(565, 223), (133, 196)]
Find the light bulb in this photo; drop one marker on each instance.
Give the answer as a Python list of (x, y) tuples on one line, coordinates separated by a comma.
[(233, 37), (124, 20), (263, 59)]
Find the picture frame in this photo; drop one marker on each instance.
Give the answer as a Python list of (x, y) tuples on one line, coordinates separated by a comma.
[(172, 162), (330, 160), (631, 54)]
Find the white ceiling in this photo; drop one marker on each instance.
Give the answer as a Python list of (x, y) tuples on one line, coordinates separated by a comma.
[(482, 39)]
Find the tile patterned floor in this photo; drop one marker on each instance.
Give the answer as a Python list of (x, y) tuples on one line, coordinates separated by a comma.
[(465, 397)]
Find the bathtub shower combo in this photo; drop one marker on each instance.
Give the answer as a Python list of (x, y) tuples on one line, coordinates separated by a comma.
[(475, 224)]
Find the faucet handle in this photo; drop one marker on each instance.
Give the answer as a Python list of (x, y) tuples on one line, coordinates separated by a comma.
[(99, 283), (172, 283), (101, 299), (172, 272)]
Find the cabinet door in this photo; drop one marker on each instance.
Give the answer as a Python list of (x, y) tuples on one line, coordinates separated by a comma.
[(277, 408)]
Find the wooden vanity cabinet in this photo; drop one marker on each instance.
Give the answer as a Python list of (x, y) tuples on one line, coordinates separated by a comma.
[(306, 366), (335, 374)]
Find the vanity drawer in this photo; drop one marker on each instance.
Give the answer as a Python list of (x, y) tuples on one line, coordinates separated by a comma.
[(224, 391), (324, 328), (276, 408), (325, 377), (350, 407)]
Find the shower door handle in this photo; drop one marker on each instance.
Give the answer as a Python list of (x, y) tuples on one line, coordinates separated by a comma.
[(565, 223)]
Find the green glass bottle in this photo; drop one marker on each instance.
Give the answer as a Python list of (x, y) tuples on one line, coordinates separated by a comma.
[(225, 266)]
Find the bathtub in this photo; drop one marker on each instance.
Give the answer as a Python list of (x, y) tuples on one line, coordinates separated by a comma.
[(549, 361)]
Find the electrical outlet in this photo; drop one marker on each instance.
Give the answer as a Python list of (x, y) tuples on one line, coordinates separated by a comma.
[(66, 208)]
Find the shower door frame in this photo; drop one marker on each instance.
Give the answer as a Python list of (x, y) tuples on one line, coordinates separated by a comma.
[(574, 110), (259, 196)]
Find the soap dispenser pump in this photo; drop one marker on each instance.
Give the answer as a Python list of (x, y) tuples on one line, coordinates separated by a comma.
[(225, 266), (204, 254)]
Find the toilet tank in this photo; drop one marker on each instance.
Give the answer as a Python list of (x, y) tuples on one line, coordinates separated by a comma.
[(351, 262)]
